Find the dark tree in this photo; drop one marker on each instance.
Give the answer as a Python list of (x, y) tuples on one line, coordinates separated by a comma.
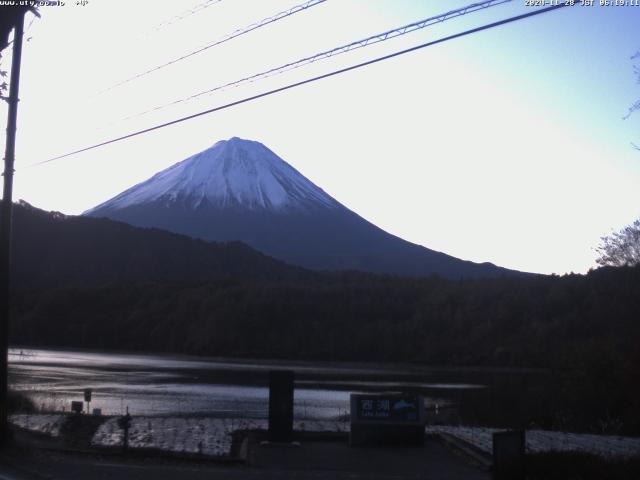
[(621, 248)]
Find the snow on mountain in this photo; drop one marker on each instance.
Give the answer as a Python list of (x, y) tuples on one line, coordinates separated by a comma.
[(240, 190), (232, 172)]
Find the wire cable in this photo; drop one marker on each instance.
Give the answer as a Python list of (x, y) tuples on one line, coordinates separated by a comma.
[(373, 39), (235, 34), (187, 13), (311, 80)]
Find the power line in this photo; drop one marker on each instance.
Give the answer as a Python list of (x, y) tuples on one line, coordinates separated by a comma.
[(187, 13), (235, 34), (380, 37), (313, 79)]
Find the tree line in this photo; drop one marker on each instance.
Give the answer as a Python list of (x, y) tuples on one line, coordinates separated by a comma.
[(585, 327)]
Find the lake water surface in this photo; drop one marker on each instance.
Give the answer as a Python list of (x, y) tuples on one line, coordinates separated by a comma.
[(170, 385)]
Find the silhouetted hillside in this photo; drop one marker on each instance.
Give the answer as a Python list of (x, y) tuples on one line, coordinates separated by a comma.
[(52, 249)]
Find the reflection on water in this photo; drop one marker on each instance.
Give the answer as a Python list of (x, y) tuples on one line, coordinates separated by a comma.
[(152, 384), (385, 385)]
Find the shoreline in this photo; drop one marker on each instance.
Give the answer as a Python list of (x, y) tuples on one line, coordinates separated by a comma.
[(209, 437)]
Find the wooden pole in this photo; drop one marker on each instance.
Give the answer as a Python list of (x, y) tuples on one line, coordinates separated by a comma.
[(5, 224)]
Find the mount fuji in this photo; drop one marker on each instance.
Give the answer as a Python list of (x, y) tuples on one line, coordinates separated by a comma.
[(240, 190)]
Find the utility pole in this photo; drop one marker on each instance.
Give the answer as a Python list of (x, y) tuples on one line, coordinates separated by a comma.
[(5, 224)]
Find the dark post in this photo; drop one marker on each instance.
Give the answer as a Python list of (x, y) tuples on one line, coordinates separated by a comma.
[(5, 223), (508, 455), (87, 398), (124, 423), (281, 406)]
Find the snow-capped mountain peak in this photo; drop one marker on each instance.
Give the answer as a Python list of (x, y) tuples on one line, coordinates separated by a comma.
[(239, 190), (231, 173)]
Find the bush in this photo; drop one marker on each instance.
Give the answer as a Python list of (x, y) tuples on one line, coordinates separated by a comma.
[(19, 403)]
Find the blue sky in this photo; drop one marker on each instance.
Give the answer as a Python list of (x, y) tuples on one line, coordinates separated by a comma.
[(505, 146)]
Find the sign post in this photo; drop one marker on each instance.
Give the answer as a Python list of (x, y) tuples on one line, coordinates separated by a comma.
[(387, 419), (87, 398)]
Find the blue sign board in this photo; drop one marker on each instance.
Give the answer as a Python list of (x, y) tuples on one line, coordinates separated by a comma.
[(387, 408), (386, 419)]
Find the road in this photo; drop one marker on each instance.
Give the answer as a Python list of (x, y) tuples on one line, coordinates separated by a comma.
[(311, 461)]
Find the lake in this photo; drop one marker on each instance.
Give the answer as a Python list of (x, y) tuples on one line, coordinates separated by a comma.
[(177, 385)]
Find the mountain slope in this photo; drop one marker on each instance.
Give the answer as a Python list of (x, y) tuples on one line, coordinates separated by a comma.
[(50, 249), (241, 190)]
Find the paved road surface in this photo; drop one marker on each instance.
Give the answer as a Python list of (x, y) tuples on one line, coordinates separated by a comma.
[(313, 460)]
